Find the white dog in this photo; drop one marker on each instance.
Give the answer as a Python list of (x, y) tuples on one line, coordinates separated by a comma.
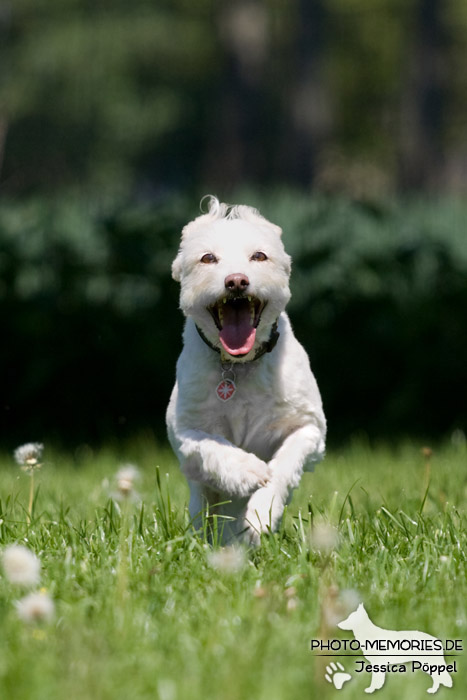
[(245, 415)]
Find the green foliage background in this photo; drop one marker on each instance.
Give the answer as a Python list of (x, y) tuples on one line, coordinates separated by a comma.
[(116, 118), (146, 96), (93, 330)]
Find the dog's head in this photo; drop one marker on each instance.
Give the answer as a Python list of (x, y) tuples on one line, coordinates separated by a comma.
[(234, 276)]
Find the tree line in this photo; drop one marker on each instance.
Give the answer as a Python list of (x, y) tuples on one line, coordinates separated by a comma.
[(362, 96)]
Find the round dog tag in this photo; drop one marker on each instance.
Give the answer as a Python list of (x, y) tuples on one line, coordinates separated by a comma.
[(225, 389)]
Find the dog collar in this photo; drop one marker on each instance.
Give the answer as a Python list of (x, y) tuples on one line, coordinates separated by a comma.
[(227, 387), (265, 347)]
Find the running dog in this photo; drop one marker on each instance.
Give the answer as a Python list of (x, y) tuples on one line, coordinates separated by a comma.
[(245, 417)]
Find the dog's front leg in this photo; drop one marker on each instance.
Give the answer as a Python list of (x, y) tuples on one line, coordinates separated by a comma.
[(213, 460), (266, 505), (304, 445)]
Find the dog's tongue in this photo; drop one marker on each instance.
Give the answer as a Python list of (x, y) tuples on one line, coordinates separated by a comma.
[(237, 335)]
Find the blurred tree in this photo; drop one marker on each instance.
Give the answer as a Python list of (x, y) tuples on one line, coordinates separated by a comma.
[(350, 95), (236, 125), (92, 88), (92, 328), (308, 117), (423, 105), (455, 145)]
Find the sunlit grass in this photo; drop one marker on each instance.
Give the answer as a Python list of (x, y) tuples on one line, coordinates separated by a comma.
[(171, 623)]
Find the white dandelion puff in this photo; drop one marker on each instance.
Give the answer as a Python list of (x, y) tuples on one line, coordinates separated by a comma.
[(21, 566), (229, 560), (290, 592), (29, 456), (349, 599), (292, 604), (126, 477), (324, 538), (36, 607)]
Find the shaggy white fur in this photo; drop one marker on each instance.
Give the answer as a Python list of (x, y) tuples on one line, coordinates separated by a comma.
[(242, 443)]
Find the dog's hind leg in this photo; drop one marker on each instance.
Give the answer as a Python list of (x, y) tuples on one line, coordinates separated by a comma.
[(197, 504), (213, 516), (377, 681)]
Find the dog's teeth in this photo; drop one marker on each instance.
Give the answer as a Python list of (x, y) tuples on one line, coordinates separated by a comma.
[(249, 298), (224, 300)]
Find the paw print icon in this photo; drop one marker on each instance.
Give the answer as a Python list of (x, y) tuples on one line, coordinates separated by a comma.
[(336, 674)]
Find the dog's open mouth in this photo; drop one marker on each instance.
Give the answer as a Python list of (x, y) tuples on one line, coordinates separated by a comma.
[(237, 319)]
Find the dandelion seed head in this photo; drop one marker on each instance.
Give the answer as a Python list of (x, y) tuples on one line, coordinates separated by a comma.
[(229, 560), (324, 538), (290, 592), (29, 456), (36, 607), (260, 592), (349, 599), (126, 477), (125, 486), (458, 438), (21, 566)]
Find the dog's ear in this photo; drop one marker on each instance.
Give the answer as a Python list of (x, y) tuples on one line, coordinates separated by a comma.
[(277, 229), (177, 267)]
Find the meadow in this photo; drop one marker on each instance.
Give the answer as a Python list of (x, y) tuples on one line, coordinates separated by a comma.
[(145, 609)]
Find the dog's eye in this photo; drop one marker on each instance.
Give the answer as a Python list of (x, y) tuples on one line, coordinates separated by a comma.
[(259, 256), (208, 258)]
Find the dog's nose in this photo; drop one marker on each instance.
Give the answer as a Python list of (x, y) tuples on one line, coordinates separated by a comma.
[(236, 282)]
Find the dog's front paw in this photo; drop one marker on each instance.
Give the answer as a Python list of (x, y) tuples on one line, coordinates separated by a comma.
[(240, 476), (257, 472), (263, 513), (247, 475)]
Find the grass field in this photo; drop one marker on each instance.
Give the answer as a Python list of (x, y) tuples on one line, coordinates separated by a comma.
[(144, 609)]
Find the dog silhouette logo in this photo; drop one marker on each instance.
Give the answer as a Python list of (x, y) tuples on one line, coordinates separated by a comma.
[(407, 647)]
